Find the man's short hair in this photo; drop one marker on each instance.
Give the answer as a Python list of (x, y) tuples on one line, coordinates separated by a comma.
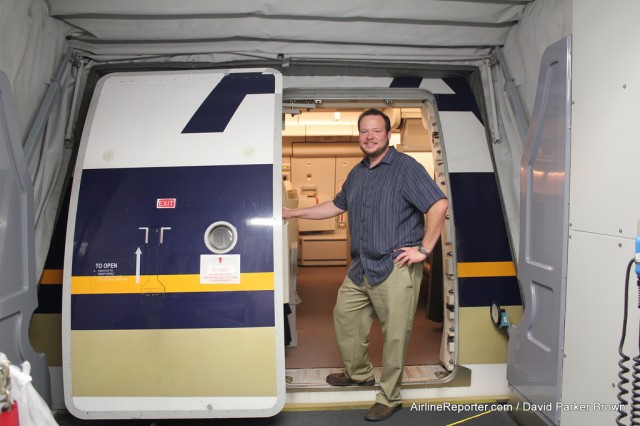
[(372, 111)]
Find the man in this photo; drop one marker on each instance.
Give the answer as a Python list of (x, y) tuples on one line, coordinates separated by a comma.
[(386, 196)]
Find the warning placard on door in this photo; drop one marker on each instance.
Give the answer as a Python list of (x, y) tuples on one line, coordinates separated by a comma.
[(220, 269)]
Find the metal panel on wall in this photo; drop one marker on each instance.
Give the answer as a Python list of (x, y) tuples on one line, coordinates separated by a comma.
[(18, 283), (535, 356)]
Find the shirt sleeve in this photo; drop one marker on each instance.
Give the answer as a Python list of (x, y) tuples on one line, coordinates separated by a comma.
[(419, 188), (340, 200)]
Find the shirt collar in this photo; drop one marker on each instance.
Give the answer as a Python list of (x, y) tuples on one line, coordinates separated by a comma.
[(387, 159)]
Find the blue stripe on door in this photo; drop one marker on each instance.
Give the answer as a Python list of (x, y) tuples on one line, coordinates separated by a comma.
[(482, 291), (114, 203), (409, 82), (228, 309), (481, 231), (462, 100), (218, 108)]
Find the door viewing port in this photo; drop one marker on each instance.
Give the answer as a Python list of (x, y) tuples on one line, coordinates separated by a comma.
[(221, 237)]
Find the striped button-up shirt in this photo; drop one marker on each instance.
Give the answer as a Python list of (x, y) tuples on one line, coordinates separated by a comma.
[(386, 206)]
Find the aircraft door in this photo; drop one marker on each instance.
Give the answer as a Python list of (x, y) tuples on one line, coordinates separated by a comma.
[(172, 296)]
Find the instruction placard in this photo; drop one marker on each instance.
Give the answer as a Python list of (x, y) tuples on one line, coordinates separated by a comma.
[(220, 269)]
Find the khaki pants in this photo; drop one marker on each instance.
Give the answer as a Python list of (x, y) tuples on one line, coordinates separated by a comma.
[(394, 301)]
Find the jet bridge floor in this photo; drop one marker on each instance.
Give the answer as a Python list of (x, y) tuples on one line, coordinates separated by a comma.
[(408, 416)]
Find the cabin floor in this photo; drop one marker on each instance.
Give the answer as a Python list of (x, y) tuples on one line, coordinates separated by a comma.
[(315, 353)]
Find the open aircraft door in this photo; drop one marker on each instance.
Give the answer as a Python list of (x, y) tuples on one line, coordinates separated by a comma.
[(172, 300)]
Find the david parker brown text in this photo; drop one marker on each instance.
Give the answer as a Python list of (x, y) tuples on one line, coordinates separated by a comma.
[(523, 406)]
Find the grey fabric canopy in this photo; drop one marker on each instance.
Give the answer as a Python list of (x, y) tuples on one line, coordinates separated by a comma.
[(410, 29)]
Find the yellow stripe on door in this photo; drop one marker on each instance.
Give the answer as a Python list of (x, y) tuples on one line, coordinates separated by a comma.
[(189, 283), (486, 269)]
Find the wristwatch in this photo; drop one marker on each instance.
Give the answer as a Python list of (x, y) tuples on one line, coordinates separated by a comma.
[(423, 251)]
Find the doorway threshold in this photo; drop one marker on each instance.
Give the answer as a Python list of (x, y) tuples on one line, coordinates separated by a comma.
[(413, 376)]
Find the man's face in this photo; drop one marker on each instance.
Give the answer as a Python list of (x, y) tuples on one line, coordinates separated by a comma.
[(374, 139)]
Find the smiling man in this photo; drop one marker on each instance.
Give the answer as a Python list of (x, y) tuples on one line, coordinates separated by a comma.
[(386, 196)]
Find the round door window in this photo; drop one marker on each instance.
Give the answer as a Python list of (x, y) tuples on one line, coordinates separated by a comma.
[(221, 237)]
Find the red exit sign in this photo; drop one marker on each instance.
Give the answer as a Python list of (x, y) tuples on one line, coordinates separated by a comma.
[(166, 203)]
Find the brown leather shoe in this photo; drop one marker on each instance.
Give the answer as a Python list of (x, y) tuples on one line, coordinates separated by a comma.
[(341, 379), (379, 412)]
